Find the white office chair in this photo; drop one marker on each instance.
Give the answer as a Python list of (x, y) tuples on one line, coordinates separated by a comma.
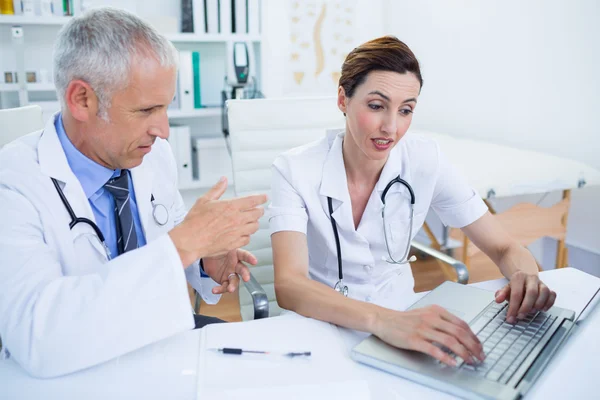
[(16, 122), (260, 130)]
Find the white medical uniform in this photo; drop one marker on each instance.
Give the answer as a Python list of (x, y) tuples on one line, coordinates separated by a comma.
[(63, 305), (304, 177)]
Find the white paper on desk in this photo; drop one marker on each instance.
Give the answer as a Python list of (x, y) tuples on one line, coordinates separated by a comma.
[(348, 390), (328, 363)]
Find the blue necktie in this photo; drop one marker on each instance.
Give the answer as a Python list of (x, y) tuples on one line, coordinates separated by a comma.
[(126, 235)]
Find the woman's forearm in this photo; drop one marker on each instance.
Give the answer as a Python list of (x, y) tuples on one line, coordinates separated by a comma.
[(316, 300), (516, 258)]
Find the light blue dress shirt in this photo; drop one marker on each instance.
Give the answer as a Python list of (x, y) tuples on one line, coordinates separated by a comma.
[(92, 177)]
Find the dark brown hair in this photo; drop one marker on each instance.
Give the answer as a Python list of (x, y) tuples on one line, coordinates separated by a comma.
[(386, 53)]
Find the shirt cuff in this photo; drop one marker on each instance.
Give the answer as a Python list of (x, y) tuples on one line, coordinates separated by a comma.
[(202, 273), (203, 285)]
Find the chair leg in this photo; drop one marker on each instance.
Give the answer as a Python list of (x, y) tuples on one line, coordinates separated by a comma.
[(196, 302), (561, 250)]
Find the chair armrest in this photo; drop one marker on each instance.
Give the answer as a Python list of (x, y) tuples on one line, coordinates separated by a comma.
[(461, 269), (259, 298)]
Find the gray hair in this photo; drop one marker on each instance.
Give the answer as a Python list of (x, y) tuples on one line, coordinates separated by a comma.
[(98, 47)]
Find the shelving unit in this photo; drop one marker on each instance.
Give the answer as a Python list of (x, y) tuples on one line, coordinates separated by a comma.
[(199, 113), (203, 121), (33, 20), (208, 38), (30, 87)]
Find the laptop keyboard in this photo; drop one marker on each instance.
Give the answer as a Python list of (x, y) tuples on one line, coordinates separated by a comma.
[(506, 346)]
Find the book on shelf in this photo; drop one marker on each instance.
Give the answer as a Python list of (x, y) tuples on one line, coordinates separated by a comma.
[(240, 17), (199, 17), (225, 16), (187, 16), (254, 12), (212, 16)]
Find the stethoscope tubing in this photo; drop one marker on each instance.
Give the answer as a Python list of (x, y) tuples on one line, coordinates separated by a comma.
[(339, 286)]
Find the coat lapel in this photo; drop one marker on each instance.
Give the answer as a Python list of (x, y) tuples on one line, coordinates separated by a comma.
[(53, 163), (334, 183), (142, 184)]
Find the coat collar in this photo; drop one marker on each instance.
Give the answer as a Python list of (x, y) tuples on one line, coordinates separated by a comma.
[(51, 155), (334, 182)]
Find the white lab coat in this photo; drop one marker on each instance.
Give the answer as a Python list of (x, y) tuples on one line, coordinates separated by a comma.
[(304, 177), (63, 305)]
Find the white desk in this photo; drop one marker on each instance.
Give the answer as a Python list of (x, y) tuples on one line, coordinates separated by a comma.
[(168, 369)]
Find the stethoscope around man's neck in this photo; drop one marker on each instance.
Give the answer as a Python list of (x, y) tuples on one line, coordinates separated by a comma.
[(340, 286), (159, 213)]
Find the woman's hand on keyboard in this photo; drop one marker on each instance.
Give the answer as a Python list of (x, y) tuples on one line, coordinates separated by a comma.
[(428, 330), (525, 293)]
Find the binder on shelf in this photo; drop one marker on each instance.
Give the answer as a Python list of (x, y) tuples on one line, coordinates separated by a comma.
[(57, 8), (180, 140), (175, 103), (226, 16), (254, 10), (196, 73), (17, 7), (7, 7), (68, 8), (187, 16), (186, 81), (28, 8), (212, 16), (240, 16), (199, 17), (46, 8)]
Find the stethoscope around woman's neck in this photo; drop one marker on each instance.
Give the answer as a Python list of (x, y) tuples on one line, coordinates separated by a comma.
[(340, 286)]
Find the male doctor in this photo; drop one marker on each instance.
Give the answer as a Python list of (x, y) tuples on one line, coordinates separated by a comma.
[(68, 299)]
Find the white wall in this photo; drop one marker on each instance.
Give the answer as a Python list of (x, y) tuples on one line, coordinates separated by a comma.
[(521, 73)]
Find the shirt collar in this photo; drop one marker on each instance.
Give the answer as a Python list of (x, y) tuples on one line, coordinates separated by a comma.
[(90, 174)]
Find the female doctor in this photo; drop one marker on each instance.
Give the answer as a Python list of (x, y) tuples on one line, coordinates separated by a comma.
[(327, 207)]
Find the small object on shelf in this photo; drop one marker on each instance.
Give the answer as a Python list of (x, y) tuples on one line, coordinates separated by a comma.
[(10, 77), (31, 77)]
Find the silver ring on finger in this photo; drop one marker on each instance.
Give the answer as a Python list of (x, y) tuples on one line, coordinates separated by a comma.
[(230, 275)]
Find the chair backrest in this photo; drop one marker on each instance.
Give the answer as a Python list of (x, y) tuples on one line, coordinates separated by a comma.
[(16, 122), (260, 130)]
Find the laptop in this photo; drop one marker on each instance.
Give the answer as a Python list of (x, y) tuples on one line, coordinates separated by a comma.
[(515, 354)]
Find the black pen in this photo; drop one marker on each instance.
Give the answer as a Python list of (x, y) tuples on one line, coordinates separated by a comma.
[(229, 350)]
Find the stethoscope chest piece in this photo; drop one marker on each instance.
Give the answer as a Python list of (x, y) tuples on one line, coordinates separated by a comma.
[(160, 214), (341, 288)]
